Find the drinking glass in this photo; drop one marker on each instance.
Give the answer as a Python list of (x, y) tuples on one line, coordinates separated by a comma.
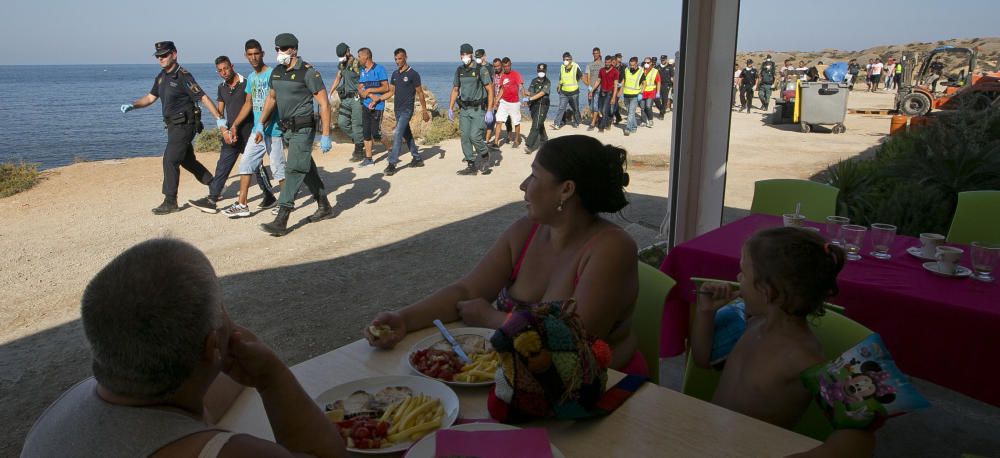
[(984, 259), (854, 237), (882, 237), (833, 231)]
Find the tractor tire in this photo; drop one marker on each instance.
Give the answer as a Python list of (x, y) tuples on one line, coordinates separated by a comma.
[(804, 127), (915, 104)]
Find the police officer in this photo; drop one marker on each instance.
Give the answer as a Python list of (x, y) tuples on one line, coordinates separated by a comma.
[(179, 94), (295, 86), (538, 103), (747, 84), (473, 90), (767, 72), (346, 86)]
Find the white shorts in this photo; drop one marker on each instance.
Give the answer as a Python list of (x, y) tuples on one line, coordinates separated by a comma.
[(511, 109), (253, 156)]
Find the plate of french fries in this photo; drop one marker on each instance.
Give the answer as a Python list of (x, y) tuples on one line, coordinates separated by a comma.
[(388, 414), (434, 358)]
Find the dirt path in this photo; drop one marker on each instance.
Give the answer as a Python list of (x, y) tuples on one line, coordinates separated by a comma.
[(393, 240)]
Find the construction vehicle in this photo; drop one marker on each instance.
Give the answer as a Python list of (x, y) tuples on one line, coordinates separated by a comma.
[(935, 85)]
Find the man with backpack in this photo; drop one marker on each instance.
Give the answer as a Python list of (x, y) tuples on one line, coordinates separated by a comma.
[(767, 71)]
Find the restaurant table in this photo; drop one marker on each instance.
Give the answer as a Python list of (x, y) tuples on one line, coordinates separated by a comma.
[(655, 421), (944, 330)]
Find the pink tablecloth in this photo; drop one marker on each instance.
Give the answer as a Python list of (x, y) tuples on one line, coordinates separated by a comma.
[(944, 330)]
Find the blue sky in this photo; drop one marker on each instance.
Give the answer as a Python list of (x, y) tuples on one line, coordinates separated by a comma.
[(117, 31)]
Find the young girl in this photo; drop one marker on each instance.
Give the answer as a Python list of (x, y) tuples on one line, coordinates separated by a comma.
[(786, 275)]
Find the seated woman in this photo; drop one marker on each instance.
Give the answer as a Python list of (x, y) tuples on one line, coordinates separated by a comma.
[(562, 249)]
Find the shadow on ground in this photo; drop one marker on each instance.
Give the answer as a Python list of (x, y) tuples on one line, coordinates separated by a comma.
[(308, 309)]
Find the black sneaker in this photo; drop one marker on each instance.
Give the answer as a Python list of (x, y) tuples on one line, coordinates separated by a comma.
[(269, 201), (484, 164), (416, 163), (205, 204), (470, 169), (390, 170), (169, 205)]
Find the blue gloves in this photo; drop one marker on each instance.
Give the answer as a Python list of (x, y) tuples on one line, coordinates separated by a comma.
[(324, 143), (489, 117), (127, 107), (526, 99), (221, 123), (451, 114)]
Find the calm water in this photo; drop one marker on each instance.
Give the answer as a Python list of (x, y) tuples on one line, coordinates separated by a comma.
[(54, 114)]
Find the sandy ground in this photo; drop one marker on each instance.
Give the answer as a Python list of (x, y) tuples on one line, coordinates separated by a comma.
[(394, 239)]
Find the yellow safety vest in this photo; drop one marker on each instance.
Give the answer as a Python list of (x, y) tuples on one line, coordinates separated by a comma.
[(567, 78), (631, 86), (650, 80)]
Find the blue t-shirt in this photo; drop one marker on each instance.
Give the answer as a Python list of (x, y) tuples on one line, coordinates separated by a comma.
[(406, 84), (372, 78), (258, 85)]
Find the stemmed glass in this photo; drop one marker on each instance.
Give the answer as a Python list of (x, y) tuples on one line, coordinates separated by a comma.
[(984, 259), (854, 237), (882, 237)]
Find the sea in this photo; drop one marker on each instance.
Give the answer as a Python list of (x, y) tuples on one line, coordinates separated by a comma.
[(54, 115)]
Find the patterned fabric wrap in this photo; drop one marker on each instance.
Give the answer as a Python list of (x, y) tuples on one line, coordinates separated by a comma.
[(549, 367)]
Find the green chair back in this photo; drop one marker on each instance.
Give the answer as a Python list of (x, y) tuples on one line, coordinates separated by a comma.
[(648, 313), (836, 334), (977, 218), (779, 196)]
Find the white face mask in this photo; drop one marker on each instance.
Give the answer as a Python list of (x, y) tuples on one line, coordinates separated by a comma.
[(466, 60), (283, 58), (566, 62), (342, 59), (541, 74), (646, 66), (479, 61)]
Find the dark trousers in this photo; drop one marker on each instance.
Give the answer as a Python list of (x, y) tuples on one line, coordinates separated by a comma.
[(746, 97), (607, 107), (179, 153), (537, 134), (227, 159)]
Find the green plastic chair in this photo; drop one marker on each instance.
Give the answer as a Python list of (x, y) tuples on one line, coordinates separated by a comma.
[(836, 334), (977, 218), (779, 196), (647, 314)]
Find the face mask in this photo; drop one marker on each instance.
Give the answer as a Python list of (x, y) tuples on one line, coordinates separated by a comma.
[(283, 58), (566, 62), (342, 59), (646, 66), (541, 74), (466, 60), (479, 61)]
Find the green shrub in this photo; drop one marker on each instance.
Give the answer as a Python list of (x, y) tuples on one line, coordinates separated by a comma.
[(15, 178), (441, 130), (914, 179), (208, 140)]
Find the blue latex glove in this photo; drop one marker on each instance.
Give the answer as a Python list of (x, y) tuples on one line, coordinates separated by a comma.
[(221, 123), (127, 107), (489, 117), (526, 99), (451, 114), (324, 143)]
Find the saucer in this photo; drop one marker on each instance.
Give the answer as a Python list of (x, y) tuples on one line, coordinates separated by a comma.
[(960, 271), (917, 252)]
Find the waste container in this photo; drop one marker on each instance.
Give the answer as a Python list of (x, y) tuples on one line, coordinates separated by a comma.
[(822, 103)]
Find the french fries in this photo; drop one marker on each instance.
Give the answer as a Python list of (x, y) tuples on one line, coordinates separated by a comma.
[(481, 369), (414, 417)]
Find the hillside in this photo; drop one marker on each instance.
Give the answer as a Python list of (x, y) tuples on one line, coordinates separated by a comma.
[(989, 52)]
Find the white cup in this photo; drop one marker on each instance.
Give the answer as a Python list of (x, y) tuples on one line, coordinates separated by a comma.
[(948, 257), (930, 242), (793, 220)]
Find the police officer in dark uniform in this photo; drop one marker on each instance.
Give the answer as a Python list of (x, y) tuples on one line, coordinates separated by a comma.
[(345, 84), (295, 86), (748, 83), (179, 95), (472, 88), (767, 72), (538, 104)]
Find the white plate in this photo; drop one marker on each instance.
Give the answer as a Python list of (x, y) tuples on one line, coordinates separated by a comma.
[(419, 385), (918, 253), (437, 337), (426, 447), (960, 271)]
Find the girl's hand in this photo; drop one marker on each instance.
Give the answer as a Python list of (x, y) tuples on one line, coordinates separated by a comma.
[(479, 313), (386, 330), (712, 296)]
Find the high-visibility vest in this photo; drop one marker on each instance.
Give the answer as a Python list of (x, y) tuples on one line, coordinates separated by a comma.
[(567, 78), (631, 84), (650, 80)]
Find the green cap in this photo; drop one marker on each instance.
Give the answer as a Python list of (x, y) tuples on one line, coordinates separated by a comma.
[(342, 49), (286, 40), (465, 48)]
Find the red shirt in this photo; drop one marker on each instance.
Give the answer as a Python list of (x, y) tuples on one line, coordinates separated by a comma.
[(609, 77), (510, 84)]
